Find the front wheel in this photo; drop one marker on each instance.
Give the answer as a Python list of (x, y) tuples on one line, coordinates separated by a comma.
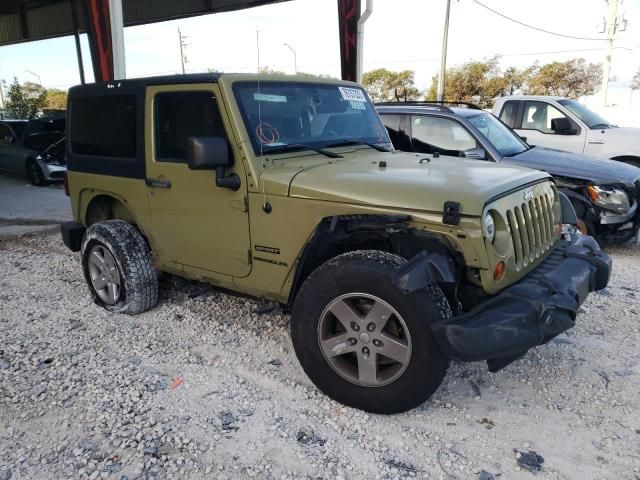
[(35, 173), (364, 342)]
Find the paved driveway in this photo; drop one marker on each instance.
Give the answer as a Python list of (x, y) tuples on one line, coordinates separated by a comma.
[(28, 209)]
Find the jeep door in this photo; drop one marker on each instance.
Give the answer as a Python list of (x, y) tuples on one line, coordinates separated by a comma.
[(198, 225)]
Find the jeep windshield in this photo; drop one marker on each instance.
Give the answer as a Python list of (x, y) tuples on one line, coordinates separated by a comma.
[(288, 116), (592, 119), (497, 134)]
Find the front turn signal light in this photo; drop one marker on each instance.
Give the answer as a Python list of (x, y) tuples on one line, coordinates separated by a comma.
[(593, 193), (498, 272)]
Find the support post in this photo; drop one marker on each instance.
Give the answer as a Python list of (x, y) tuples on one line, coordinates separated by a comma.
[(76, 35), (99, 30), (117, 35), (360, 39), (348, 15)]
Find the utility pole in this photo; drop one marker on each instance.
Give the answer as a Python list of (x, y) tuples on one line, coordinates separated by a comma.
[(443, 58), (613, 24), (295, 57), (183, 45), (35, 75)]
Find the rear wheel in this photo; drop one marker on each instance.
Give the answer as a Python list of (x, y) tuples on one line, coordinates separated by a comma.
[(35, 173), (364, 342), (118, 267)]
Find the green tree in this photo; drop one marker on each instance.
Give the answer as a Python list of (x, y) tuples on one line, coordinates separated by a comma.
[(270, 71), (635, 83), (515, 80), (319, 75), (56, 99), (384, 85), (573, 78), (26, 100), (478, 81)]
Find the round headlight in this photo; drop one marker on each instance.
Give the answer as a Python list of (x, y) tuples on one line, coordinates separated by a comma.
[(490, 227)]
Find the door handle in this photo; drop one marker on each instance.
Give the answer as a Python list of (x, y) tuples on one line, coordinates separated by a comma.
[(154, 183), (596, 142)]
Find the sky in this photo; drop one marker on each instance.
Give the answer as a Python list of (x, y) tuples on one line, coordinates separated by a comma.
[(400, 34)]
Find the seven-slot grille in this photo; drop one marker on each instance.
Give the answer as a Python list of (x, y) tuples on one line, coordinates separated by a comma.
[(532, 228)]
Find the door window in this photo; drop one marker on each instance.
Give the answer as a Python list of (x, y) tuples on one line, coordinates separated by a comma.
[(430, 134), (6, 137), (399, 138), (509, 112), (180, 115), (538, 116)]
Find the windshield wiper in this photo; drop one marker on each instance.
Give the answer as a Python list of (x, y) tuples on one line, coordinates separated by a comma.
[(299, 146), (353, 141)]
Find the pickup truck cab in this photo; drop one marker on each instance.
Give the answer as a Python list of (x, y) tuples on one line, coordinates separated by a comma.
[(287, 188), (566, 124)]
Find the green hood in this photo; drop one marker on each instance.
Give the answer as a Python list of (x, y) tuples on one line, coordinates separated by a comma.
[(404, 183)]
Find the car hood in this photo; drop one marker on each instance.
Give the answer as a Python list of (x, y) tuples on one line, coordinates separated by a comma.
[(408, 182), (576, 166)]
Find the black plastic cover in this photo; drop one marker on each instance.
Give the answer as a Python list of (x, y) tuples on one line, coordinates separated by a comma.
[(72, 234), (531, 312)]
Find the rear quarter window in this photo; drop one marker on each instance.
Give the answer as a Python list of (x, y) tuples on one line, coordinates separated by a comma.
[(508, 113), (103, 126)]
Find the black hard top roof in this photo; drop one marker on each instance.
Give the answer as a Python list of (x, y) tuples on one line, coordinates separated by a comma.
[(136, 83)]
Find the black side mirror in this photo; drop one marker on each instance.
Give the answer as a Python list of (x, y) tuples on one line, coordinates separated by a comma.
[(212, 153), (562, 126)]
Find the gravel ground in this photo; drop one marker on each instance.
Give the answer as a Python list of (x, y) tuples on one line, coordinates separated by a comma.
[(203, 386)]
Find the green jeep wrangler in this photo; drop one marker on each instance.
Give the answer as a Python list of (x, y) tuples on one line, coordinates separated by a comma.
[(288, 189)]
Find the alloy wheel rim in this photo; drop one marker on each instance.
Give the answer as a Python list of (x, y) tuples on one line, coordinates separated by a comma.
[(364, 339), (104, 274)]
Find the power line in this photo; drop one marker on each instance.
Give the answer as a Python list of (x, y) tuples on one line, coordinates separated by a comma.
[(566, 51), (535, 28)]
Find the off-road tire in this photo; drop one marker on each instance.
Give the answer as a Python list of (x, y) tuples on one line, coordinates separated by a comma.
[(35, 174), (138, 277), (371, 272)]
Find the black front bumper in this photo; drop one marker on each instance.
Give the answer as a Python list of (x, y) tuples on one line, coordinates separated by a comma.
[(530, 312)]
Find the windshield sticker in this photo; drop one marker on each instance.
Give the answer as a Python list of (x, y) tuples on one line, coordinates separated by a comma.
[(352, 94), (265, 97), (267, 134), (357, 105)]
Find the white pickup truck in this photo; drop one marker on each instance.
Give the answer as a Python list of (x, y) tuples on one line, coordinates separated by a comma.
[(565, 124)]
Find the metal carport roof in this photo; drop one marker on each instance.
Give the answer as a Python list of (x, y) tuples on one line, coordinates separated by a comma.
[(27, 20)]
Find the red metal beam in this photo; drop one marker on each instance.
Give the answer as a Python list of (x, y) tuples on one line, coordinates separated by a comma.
[(100, 43), (348, 16)]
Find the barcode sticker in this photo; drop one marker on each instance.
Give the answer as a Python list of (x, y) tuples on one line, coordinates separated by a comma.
[(352, 94)]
